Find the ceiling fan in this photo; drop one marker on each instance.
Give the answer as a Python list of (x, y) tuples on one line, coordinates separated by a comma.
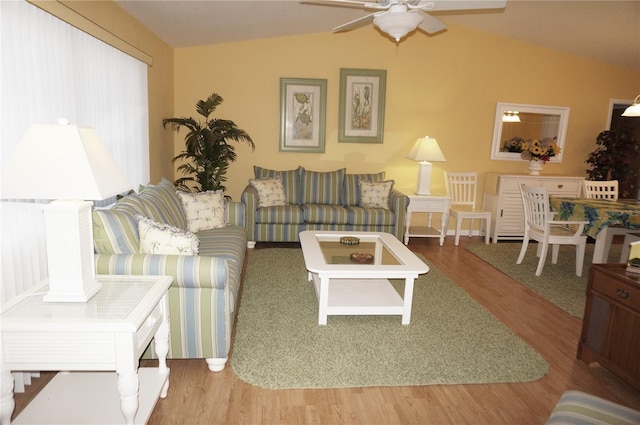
[(399, 17)]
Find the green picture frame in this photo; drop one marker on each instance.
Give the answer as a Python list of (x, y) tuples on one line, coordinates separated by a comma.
[(361, 108), (303, 108)]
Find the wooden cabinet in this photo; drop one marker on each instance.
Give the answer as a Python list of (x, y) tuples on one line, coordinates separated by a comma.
[(611, 324), (502, 197)]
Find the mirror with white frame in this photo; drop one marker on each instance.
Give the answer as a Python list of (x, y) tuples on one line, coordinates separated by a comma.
[(529, 122)]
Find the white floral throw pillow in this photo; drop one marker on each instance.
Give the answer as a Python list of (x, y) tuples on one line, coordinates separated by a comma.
[(157, 238), (375, 194), (204, 210), (270, 192)]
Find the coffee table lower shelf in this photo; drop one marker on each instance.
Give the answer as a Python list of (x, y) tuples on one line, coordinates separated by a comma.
[(358, 297)]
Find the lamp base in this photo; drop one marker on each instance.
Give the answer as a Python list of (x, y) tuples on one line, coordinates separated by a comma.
[(69, 237), (80, 294), (424, 179)]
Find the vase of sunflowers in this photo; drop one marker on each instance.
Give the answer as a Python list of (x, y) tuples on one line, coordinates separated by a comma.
[(537, 152)]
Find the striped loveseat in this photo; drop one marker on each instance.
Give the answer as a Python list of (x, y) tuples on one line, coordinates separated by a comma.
[(316, 200), (204, 294)]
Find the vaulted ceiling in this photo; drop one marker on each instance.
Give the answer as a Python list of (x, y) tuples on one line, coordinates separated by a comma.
[(608, 31)]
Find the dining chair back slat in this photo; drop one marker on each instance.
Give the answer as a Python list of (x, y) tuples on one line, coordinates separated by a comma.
[(607, 189)]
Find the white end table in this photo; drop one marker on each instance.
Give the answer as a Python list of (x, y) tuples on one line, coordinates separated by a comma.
[(429, 204), (107, 333)]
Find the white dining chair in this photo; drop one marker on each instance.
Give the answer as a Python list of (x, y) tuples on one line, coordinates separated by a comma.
[(540, 226), (601, 189), (461, 188), (605, 189)]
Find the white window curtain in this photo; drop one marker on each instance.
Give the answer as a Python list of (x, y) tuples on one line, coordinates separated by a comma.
[(49, 69)]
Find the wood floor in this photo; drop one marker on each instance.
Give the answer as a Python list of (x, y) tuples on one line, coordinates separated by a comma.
[(197, 396)]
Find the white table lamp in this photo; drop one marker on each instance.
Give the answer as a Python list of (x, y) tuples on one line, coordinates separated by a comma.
[(425, 151), (71, 165)]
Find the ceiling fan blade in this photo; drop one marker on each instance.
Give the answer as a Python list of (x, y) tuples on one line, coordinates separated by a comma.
[(366, 5), (355, 23), (430, 24), (443, 5)]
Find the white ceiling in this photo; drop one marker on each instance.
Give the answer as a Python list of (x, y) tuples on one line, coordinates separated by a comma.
[(608, 31)]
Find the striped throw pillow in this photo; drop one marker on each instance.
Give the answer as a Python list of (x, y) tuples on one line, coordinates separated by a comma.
[(323, 188), (163, 204), (115, 232)]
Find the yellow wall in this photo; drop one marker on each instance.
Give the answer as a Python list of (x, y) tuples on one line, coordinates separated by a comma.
[(445, 86), (114, 19)]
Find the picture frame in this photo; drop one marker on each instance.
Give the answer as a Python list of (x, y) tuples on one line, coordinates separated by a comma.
[(362, 103), (535, 122), (303, 107)]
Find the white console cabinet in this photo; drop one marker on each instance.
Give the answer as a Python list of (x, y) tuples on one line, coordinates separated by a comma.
[(502, 197)]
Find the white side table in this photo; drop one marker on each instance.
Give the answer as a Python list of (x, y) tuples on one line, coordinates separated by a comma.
[(429, 204), (108, 333)]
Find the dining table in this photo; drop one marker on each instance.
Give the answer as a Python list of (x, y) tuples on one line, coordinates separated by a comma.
[(600, 215)]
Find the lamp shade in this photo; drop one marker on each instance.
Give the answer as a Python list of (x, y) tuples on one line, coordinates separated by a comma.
[(61, 162), (634, 109), (397, 23), (70, 165), (426, 149)]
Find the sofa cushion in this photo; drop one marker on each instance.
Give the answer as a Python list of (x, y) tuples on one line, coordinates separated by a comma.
[(371, 216), (132, 204), (290, 181), (227, 242), (325, 214), (375, 194), (115, 232), (160, 238), (203, 210), (163, 204), (285, 214), (351, 190), (270, 192), (323, 188)]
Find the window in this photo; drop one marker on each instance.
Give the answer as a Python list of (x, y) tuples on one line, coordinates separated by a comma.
[(51, 69)]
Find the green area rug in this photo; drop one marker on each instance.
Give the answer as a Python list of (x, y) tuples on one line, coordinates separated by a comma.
[(558, 283), (451, 338)]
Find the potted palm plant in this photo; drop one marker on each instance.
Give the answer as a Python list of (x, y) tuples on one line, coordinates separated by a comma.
[(616, 157), (207, 153)]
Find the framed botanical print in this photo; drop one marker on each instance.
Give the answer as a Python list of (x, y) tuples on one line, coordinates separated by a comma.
[(303, 105), (361, 109)]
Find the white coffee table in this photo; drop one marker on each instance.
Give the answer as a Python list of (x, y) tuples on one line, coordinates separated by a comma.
[(347, 288)]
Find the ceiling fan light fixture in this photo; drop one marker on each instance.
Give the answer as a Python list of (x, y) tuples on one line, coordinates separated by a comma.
[(397, 25)]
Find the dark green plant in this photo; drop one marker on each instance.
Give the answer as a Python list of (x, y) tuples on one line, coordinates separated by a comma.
[(207, 153), (615, 158)]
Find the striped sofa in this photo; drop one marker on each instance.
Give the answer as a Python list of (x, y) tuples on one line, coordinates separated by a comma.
[(319, 201), (204, 294), (580, 408)]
